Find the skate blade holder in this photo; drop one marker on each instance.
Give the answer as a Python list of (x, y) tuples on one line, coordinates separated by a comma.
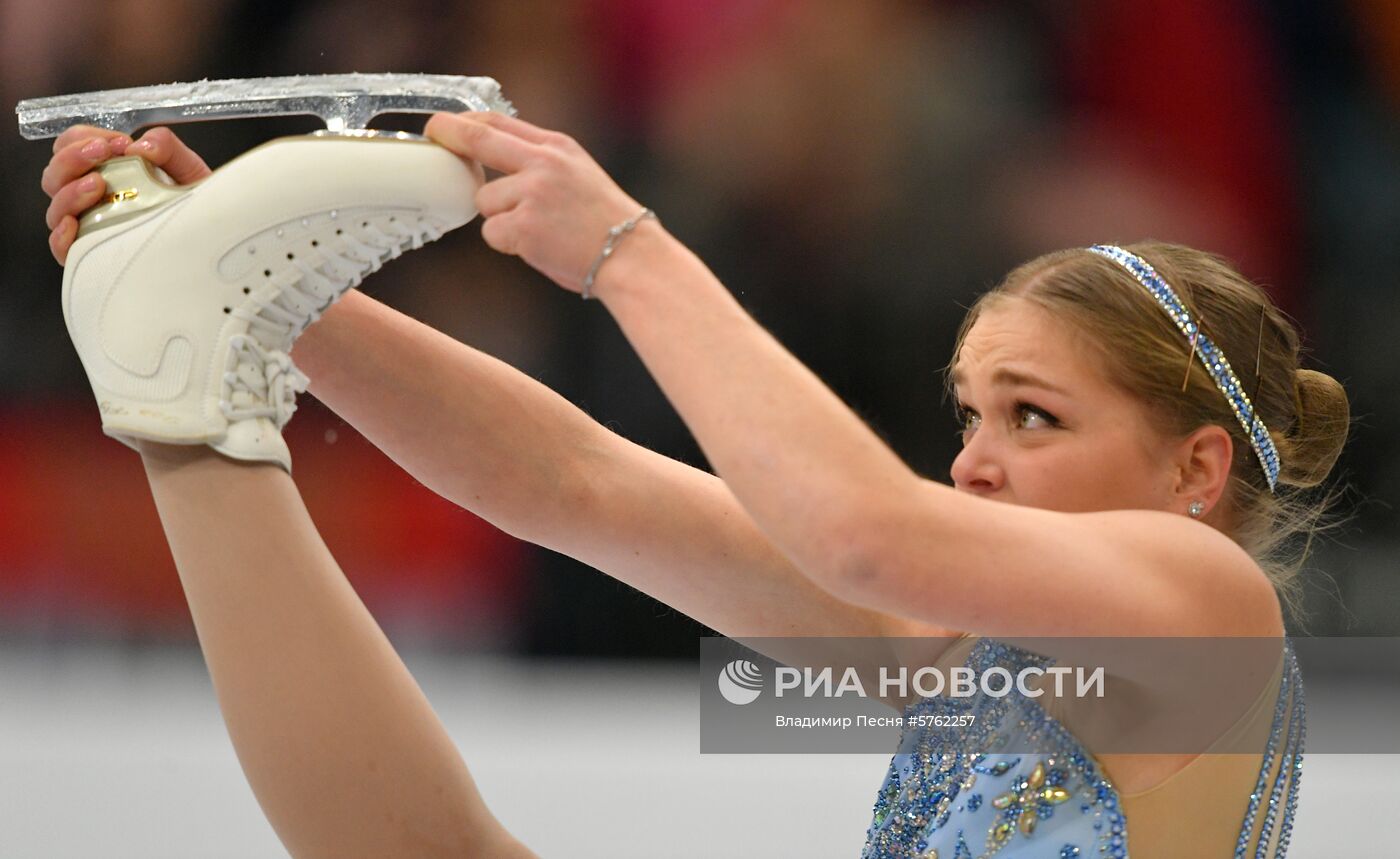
[(346, 103)]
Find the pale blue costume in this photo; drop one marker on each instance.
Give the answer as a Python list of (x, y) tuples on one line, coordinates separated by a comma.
[(940, 799)]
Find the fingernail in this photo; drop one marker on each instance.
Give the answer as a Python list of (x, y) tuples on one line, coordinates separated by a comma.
[(89, 183), (121, 140), (95, 149), (140, 146)]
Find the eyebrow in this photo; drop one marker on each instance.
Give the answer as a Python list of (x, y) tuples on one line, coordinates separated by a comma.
[(1007, 376)]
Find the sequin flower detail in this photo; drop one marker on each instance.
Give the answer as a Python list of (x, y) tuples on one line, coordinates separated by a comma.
[(1030, 800)]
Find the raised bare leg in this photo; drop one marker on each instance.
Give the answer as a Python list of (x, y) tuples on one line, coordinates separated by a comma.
[(343, 751)]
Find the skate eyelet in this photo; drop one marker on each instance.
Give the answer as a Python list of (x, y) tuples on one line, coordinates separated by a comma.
[(228, 310), (267, 272), (246, 290), (315, 244)]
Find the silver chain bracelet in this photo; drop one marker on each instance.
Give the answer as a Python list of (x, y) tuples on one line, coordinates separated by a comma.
[(614, 236)]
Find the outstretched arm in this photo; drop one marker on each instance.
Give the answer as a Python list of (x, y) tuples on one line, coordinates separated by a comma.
[(497, 442), (506, 447), (816, 480)]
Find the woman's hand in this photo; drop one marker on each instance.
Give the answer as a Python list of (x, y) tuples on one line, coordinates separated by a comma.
[(554, 205), (70, 178)]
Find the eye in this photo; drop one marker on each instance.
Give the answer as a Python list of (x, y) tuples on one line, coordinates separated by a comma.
[(967, 420), (1024, 409)]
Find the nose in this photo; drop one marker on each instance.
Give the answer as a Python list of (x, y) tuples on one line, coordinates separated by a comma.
[(977, 468)]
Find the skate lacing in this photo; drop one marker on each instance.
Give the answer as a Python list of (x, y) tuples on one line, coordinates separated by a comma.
[(259, 382), (313, 282)]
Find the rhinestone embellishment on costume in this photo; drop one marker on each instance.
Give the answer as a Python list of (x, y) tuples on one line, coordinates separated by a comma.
[(938, 800)]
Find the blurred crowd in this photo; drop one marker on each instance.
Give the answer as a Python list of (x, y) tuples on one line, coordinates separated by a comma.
[(854, 171)]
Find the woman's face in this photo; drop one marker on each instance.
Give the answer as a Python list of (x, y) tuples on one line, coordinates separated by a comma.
[(1043, 427)]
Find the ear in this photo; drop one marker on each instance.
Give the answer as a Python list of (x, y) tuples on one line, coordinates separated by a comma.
[(1203, 462)]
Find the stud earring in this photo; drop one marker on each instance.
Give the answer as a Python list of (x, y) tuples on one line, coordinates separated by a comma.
[(1196, 509)]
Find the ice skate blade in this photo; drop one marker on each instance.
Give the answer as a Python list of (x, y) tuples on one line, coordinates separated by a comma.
[(343, 102)]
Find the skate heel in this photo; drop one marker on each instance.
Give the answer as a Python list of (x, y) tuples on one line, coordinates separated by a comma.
[(133, 187)]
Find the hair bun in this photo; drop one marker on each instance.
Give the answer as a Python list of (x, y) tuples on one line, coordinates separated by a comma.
[(1316, 440)]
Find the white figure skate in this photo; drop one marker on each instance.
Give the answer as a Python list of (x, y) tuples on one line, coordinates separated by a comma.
[(184, 301)]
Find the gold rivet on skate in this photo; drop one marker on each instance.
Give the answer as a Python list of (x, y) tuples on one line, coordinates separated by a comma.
[(122, 196)]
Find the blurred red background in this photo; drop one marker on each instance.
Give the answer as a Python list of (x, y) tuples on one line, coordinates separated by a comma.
[(81, 546)]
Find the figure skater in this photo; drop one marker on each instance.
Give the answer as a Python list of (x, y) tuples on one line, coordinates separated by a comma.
[(1119, 476)]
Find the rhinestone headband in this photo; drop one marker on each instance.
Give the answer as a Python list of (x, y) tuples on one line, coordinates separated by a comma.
[(1210, 355)]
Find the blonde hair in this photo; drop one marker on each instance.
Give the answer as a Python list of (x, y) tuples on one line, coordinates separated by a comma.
[(1306, 412)]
